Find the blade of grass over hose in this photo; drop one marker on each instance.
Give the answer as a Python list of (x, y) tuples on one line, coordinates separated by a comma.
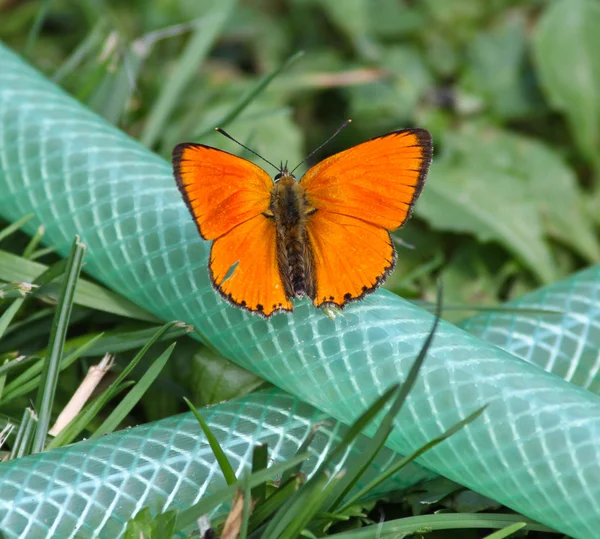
[(303, 447), (47, 389), (387, 424), (395, 468), (87, 294), (13, 227), (322, 475), (207, 30), (250, 96), (134, 396), (188, 516), (218, 452), (130, 340)]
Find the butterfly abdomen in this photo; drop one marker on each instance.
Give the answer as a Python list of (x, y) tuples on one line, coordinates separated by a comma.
[(290, 211)]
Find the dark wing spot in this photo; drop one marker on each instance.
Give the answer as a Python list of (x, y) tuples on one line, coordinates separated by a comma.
[(347, 296), (331, 298), (259, 307), (243, 303), (275, 305)]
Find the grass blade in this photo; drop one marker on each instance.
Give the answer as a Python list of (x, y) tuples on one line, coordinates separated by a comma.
[(9, 314), (30, 379), (13, 227), (303, 447), (34, 242), (276, 500), (24, 435), (35, 29), (246, 99), (87, 294), (260, 461), (403, 527), (207, 30), (129, 340), (394, 469), (49, 376), (188, 516), (133, 397), (387, 424), (508, 531), (225, 465)]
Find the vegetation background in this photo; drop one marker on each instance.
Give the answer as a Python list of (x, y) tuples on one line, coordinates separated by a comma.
[(509, 89)]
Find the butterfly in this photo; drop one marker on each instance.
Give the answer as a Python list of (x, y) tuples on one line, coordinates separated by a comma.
[(326, 236)]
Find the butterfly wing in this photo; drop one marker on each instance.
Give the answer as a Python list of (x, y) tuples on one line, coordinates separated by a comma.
[(227, 197), (361, 194)]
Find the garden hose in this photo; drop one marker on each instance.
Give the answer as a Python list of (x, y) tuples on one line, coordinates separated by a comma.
[(535, 448)]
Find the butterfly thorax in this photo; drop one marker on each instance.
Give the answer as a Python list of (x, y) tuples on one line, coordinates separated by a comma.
[(291, 211)]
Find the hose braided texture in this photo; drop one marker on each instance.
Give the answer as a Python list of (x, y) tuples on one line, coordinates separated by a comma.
[(535, 449)]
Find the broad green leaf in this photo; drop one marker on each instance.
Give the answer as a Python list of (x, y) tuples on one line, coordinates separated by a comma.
[(496, 68), (216, 379), (491, 205), (552, 185), (352, 18), (566, 42)]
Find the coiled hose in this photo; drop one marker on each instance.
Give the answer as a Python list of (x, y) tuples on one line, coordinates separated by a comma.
[(535, 449)]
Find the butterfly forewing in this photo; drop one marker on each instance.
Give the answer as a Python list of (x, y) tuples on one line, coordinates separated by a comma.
[(221, 190), (377, 181), (227, 197)]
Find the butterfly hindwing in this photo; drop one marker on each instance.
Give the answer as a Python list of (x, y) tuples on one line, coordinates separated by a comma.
[(352, 257), (227, 197), (254, 283), (360, 195)]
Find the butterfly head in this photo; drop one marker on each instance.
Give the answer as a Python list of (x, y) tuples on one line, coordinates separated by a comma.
[(283, 173)]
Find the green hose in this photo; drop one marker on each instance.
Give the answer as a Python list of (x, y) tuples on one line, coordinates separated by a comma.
[(535, 448)]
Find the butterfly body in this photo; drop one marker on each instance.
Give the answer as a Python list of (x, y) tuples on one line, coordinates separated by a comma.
[(290, 210), (326, 236)]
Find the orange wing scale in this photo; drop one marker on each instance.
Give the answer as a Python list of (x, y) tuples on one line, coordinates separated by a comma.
[(361, 194), (226, 196), (220, 189)]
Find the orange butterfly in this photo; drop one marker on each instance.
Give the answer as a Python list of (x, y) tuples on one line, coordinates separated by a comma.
[(326, 236)]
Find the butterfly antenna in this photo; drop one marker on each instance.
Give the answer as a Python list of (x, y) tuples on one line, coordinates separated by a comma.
[(246, 147), (345, 124)]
